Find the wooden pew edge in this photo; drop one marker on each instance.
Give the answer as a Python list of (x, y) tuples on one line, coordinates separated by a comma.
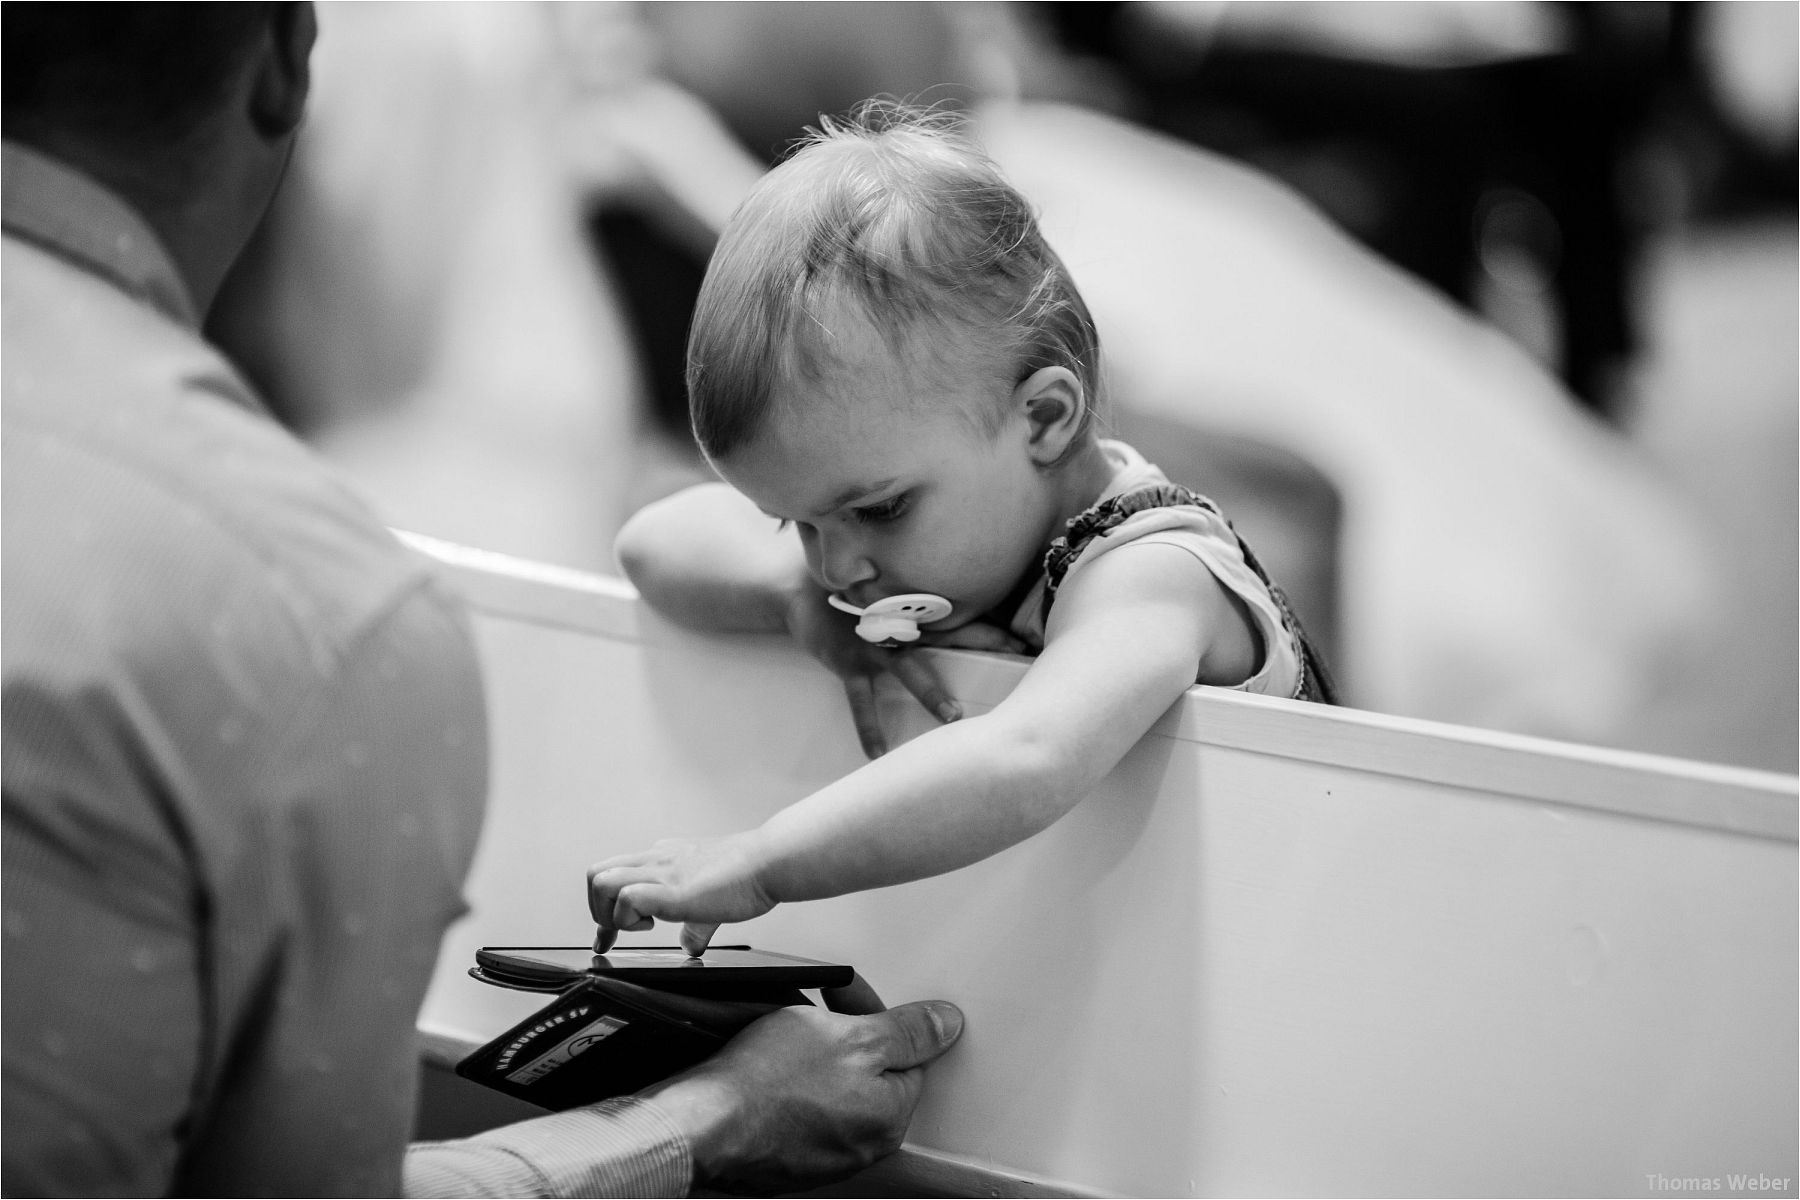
[(1728, 799)]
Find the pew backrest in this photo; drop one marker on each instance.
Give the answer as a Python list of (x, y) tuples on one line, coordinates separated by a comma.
[(1282, 949)]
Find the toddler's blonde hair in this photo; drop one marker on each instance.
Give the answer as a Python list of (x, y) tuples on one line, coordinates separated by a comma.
[(894, 210)]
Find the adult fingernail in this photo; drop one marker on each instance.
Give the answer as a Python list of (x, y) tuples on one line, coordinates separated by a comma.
[(949, 711), (946, 1021), (603, 939)]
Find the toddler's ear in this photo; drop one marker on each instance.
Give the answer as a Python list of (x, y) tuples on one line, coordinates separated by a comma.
[(1053, 402)]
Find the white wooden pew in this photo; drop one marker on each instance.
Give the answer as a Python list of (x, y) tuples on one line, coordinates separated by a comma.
[(1282, 950)]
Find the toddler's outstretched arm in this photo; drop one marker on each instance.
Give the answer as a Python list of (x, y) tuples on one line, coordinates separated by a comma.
[(1126, 636)]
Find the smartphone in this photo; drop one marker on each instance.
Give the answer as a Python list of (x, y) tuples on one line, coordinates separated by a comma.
[(720, 969)]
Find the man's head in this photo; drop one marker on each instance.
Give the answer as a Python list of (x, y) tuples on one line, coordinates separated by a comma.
[(187, 111), (136, 70), (893, 220)]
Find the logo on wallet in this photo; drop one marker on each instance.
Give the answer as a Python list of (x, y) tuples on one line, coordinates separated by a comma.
[(576, 1043)]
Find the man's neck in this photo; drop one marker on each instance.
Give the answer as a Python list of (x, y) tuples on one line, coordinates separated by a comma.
[(201, 204)]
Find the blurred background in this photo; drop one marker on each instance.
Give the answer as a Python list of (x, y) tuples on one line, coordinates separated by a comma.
[(1479, 318)]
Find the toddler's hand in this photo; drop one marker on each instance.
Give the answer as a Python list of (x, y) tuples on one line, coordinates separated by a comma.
[(830, 636), (703, 883), (976, 635)]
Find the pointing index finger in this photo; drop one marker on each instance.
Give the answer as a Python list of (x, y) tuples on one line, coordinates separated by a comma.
[(696, 936)]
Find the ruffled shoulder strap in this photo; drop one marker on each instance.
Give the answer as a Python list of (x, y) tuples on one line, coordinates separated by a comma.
[(1315, 683)]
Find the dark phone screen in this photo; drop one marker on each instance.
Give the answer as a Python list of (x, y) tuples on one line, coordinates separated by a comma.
[(663, 966)]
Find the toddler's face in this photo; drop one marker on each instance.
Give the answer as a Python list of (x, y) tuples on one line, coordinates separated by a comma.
[(892, 489)]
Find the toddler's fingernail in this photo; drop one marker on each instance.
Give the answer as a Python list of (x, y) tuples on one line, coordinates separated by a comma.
[(949, 710)]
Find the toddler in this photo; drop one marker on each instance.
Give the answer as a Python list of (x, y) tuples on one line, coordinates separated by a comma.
[(896, 379)]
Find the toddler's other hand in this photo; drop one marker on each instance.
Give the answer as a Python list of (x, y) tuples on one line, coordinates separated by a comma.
[(830, 636), (976, 635), (704, 883)]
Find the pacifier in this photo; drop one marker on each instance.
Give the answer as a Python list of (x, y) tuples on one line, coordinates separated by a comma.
[(894, 618)]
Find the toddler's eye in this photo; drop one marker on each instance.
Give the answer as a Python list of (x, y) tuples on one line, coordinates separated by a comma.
[(887, 510)]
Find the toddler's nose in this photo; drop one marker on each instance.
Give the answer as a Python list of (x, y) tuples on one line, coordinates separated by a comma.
[(843, 565)]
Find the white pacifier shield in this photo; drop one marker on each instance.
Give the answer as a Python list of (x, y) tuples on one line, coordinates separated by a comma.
[(894, 618)]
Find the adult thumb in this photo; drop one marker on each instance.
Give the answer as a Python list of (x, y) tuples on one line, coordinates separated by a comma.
[(920, 1031)]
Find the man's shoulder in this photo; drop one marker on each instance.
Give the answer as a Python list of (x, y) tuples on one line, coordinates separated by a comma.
[(139, 470)]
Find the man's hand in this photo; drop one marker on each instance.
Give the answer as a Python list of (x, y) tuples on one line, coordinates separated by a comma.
[(830, 636), (705, 883), (804, 1097)]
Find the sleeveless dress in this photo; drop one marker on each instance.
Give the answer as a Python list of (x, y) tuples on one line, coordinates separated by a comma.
[(1140, 506)]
